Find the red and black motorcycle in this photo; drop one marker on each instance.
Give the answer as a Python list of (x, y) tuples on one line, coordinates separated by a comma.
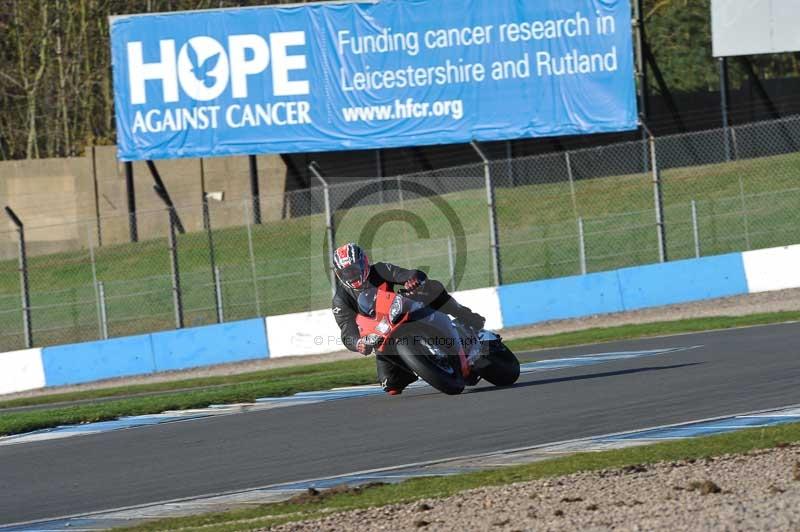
[(438, 349)]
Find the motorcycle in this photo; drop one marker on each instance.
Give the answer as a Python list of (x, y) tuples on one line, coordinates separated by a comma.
[(438, 349)]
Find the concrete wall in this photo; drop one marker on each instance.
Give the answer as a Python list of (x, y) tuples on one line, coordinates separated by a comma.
[(51, 193), (61, 200)]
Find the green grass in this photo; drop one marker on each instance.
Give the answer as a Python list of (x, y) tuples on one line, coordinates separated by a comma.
[(111, 403), (439, 487), (192, 393), (537, 232), (626, 332), (283, 375)]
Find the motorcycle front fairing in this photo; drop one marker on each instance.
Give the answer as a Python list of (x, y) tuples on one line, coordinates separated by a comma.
[(437, 320), (366, 301), (416, 311), (372, 326)]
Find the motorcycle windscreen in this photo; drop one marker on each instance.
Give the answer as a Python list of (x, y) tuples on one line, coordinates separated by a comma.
[(366, 301)]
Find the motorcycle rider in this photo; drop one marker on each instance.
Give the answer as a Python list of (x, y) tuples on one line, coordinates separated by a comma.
[(354, 273)]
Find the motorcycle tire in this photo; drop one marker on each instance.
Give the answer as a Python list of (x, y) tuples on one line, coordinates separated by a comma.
[(500, 367), (433, 363)]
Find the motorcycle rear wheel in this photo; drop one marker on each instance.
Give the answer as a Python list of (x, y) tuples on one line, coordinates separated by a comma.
[(500, 366), (430, 359)]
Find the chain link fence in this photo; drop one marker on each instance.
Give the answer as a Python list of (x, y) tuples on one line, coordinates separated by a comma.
[(565, 213)]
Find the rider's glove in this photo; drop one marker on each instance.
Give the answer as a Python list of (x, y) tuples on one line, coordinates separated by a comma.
[(413, 283), (363, 347)]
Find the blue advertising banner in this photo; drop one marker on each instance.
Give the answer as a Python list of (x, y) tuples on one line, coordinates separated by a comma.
[(341, 76)]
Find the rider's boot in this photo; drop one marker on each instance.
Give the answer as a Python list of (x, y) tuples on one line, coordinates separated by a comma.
[(394, 378)]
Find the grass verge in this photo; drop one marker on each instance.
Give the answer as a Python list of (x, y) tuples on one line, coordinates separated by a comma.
[(194, 393), (111, 403), (438, 487), (642, 330)]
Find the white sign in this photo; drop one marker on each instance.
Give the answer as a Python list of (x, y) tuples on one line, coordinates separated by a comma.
[(749, 27)]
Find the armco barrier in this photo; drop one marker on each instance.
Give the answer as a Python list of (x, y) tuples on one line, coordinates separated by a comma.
[(92, 361), (21, 370), (682, 281), (556, 299), (621, 290), (315, 332), (215, 344), (149, 353)]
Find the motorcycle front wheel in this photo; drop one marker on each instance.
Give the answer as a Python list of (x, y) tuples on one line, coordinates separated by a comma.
[(431, 358)]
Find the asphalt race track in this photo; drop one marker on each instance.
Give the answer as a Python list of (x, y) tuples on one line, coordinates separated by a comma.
[(734, 371)]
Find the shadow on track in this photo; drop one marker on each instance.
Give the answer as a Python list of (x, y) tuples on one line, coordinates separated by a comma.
[(582, 377)]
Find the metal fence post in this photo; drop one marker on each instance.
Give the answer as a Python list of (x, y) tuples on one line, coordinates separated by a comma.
[(254, 189), (735, 144), (658, 199), (451, 264), (23, 279), (406, 228), (95, 283), (745, 217), (379, 175), (400, 194), (161, 189), (212, 257), (723, 103), (218, 292), (512, 177), (330, 229), (582, 245), (495, 248), (177, 298), (133, 225), (642, 89), (101, 300), (695, 230), (252, 257), (571, 176)]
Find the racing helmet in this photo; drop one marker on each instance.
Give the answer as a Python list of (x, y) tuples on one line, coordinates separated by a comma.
[(351, 266)]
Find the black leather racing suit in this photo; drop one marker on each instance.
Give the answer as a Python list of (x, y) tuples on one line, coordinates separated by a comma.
[(392, 374)]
